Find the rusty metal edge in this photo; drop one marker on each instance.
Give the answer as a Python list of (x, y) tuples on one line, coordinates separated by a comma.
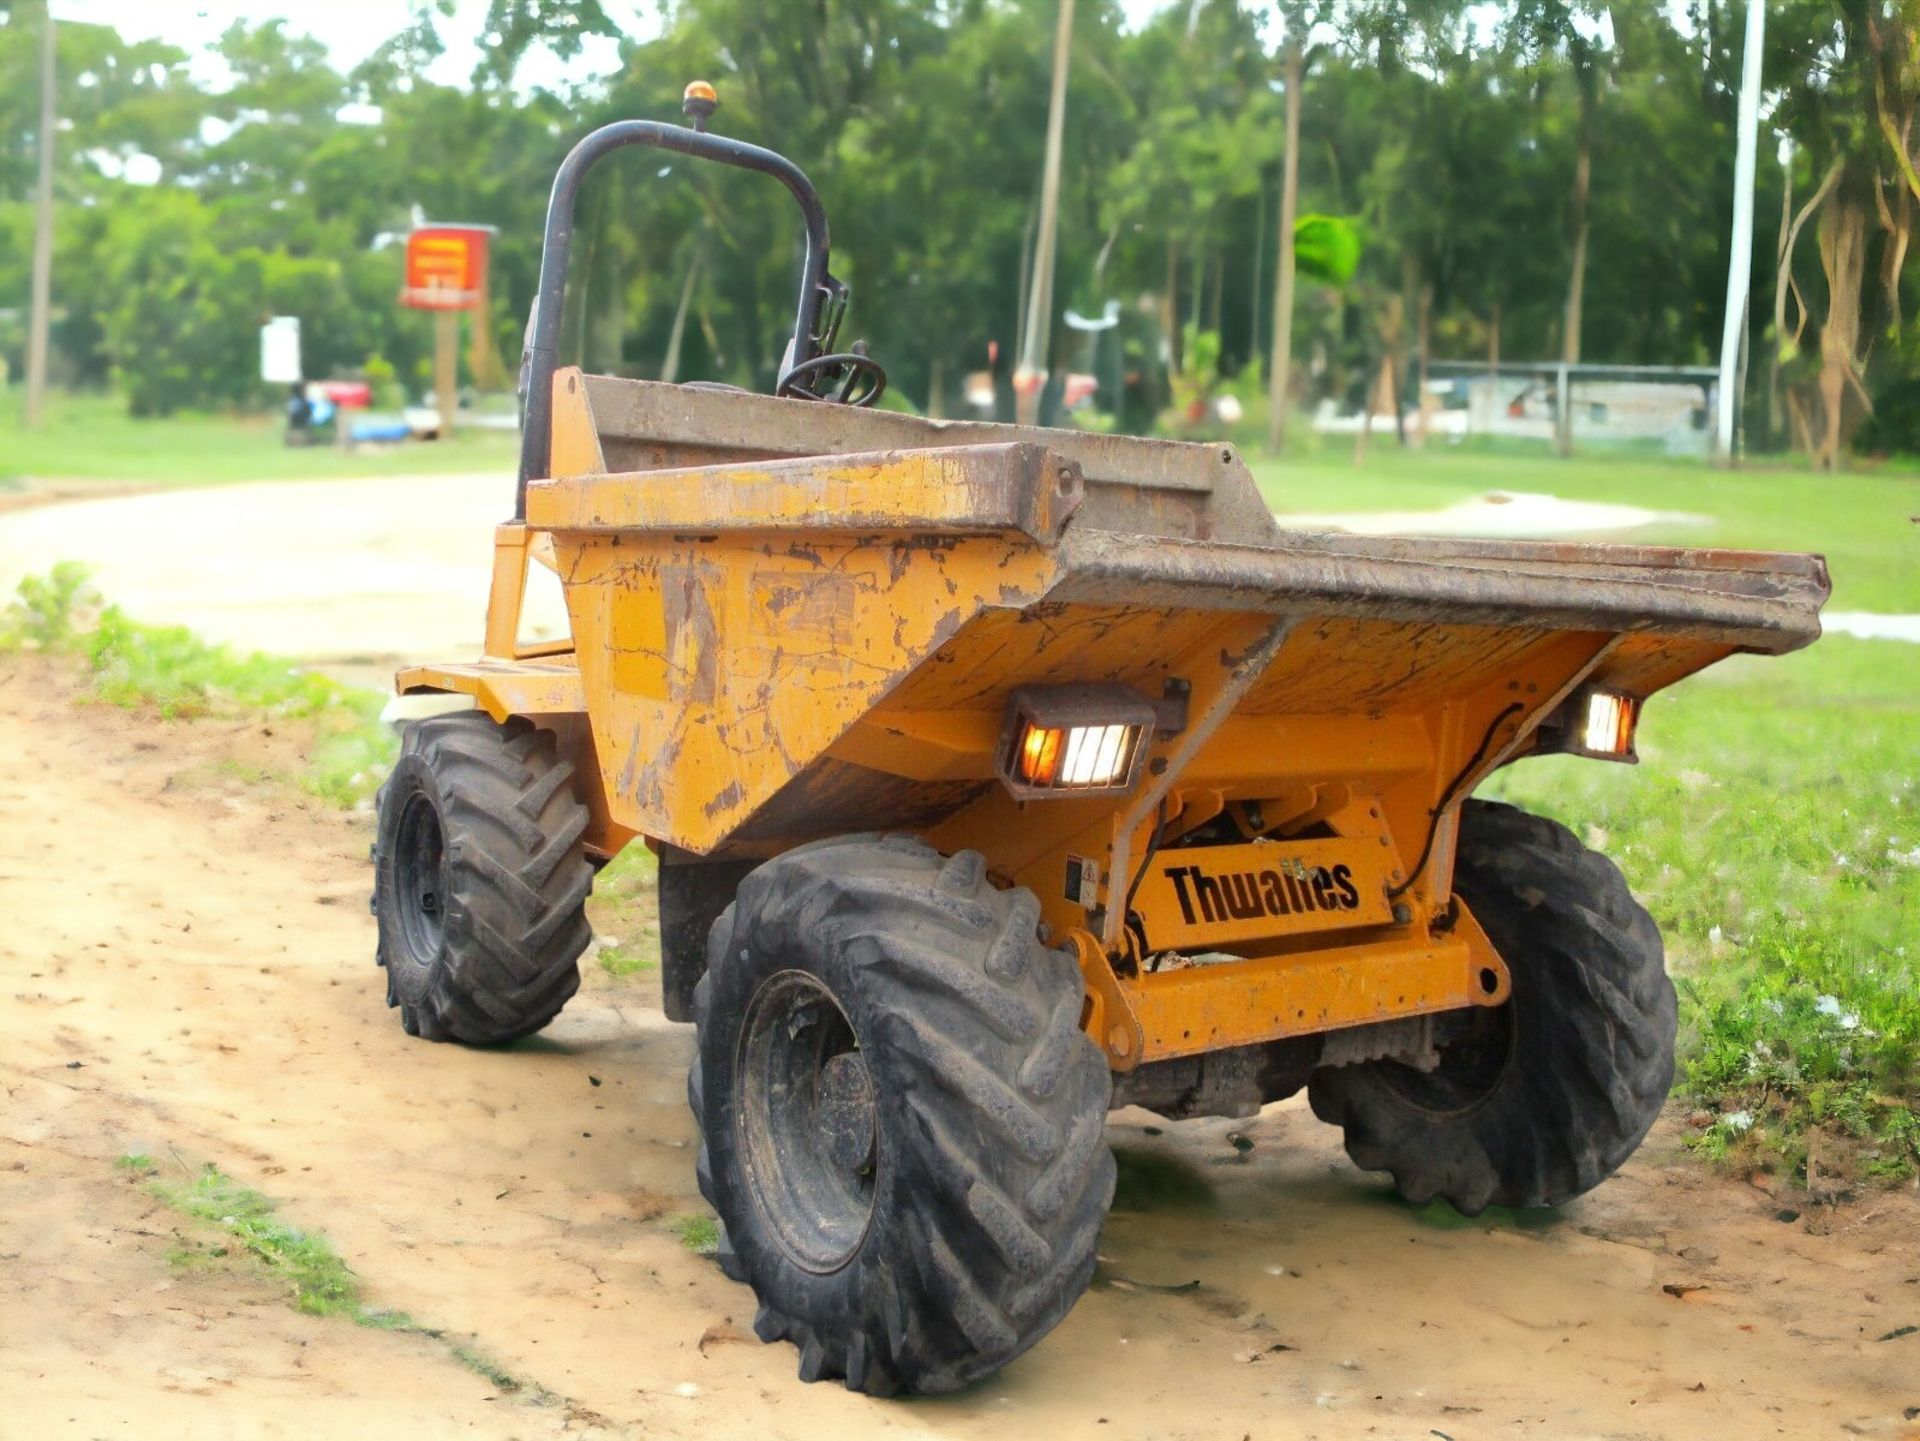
[(1003, 488), (650, 412), (1108, 568)]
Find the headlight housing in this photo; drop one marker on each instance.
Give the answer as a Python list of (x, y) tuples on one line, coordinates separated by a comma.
[(1596, 723), (1061, 740)]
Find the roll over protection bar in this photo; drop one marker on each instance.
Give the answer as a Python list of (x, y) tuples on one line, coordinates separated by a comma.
[(536, 431)]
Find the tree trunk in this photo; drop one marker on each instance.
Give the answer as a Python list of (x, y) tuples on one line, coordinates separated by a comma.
[(1020, 288), (1036, 355), (1783, 284), (1800, 433), (607, 321), (1259, 256), (670, 367), (42, 281), (1170, 310), (1483, 417), (1775, 420), (1278, 371), (937, 388), (1577, 278), (1423, 341), (1843, 230), (1384, 388), (1213, 303)]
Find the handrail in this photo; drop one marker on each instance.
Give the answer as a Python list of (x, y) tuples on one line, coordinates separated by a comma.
[(536, 434)]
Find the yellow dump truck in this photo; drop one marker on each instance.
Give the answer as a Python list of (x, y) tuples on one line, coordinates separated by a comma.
[(1000, 776)]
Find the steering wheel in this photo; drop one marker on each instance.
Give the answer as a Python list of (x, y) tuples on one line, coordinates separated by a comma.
[(861, 379)]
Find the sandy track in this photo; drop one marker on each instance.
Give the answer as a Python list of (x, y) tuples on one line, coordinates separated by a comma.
[(323, 570), (201, 948)]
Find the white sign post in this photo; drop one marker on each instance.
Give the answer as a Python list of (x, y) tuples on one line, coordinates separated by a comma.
[(280, 351), (1740, 265)]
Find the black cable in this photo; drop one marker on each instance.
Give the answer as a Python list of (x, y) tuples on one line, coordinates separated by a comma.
[(1446, 799), (1153, 847)]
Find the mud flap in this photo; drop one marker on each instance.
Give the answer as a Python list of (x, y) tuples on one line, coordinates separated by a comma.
[(693, 893)]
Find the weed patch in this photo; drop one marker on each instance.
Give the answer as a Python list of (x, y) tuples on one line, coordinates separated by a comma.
[(174, 672), (698, 1232), (242, 1221), (623, 963), (320, 1283), (626, 914)]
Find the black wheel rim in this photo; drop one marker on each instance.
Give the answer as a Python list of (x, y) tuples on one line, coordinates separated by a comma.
[(420, 879), (806, 1128)]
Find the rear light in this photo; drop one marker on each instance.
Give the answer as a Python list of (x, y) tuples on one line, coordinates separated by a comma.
[(1608, 726), (1074, 739), (1596, 723), (1078, 758)]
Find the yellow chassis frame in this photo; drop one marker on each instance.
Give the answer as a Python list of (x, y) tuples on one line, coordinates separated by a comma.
[(1431, 956)]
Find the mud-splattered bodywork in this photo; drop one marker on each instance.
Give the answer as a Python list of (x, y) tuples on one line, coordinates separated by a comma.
[(792, 620)]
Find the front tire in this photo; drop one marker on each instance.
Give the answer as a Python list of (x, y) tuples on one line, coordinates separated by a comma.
[(1553, 1091), (902, 1126), (480, 880)]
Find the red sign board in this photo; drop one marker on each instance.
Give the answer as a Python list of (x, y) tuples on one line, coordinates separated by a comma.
[(348, 394), (446, 267)]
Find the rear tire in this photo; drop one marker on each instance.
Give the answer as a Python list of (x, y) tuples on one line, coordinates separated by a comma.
[(902, 1126), (480, 880), (1555, 1089)]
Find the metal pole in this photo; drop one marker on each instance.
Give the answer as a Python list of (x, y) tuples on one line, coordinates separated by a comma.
[(1563, 410), (1740, 264), (446, 369), (1039, 329), (42, 301), (1280, 368)]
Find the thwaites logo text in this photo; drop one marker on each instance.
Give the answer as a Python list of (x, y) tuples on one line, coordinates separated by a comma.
[(1291, 889)]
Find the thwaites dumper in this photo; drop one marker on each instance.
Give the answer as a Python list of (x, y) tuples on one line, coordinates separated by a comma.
[(1001, 776)]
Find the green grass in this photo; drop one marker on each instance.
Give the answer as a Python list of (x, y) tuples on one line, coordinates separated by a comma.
[(173, 671), (1861, 521), (236, 1220), (626, 915), (318, 1281), (625, 962), (698, 1232), (1773, 829), (92, 438)]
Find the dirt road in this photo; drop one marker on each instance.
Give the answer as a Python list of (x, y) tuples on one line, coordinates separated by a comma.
[(187, 973), (336, 571)]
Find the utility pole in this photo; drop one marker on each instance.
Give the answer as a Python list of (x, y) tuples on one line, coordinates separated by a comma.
[(1740, 264), (1279, 369), (42, 237), (1030, 376)]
